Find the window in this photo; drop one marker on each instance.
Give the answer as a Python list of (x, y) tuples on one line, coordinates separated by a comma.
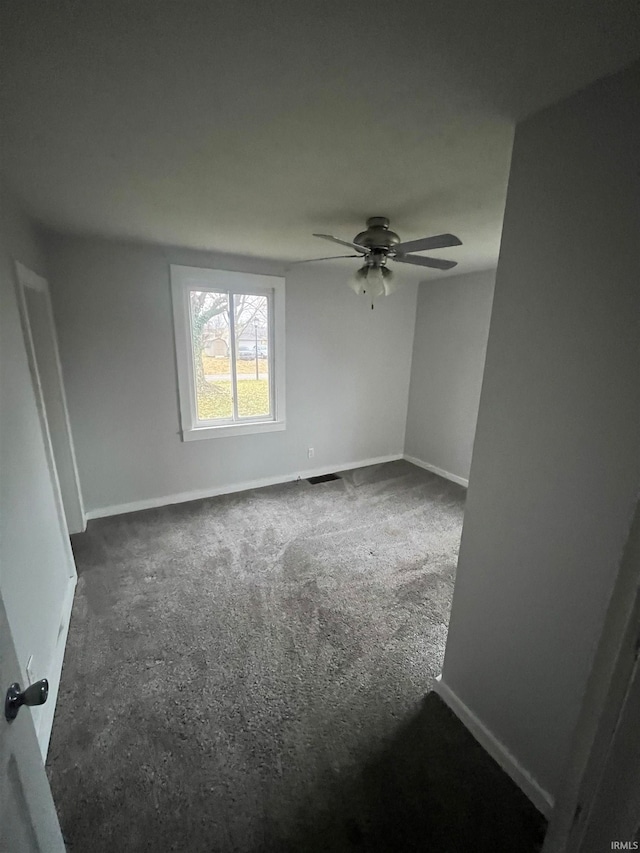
[(229, 333)]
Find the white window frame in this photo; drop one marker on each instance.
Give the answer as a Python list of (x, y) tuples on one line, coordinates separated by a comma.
[(185, 279)]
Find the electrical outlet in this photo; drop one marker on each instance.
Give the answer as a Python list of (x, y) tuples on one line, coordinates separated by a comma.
[(311, 453)]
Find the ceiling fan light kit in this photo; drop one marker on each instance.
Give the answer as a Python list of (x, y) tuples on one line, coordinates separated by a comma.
[(378, 244), (374, 280)]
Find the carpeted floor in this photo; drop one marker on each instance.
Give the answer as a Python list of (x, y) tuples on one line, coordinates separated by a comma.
[(250, 673)]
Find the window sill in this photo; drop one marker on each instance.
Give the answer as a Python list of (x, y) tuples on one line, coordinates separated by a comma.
[(227, 430)]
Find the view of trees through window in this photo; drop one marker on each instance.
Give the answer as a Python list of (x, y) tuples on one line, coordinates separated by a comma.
[(212, 353)]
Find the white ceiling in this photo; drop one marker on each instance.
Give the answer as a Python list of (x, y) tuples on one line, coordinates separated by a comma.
[(243, 127)]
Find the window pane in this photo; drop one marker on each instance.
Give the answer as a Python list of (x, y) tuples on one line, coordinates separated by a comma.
[(251, 318), (211, 355)]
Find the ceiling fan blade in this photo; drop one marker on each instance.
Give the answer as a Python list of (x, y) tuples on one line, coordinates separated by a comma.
[(435, 263), (330, 258), (441, 241), (342, 242)]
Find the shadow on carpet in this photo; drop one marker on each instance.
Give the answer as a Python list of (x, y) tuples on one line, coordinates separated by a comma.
[(431, 788)]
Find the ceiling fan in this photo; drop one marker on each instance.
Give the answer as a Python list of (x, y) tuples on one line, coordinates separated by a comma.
[(377, 245)]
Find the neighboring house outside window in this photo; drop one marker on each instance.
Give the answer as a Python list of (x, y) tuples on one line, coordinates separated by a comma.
[(229, 334)]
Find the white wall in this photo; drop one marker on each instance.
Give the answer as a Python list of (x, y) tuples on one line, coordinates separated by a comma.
[(347, 373), (452, 325), (556, 464), (33, 552)]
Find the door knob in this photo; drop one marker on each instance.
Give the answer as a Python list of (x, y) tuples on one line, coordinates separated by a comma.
[(35, 694)]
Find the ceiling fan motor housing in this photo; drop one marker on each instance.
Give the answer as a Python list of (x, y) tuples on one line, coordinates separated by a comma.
[(377, 236), (377, 244)]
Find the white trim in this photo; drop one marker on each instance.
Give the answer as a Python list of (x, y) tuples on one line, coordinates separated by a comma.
[(27, 278), (183, 497), (603, 718), (540, 798), (45, 720), (184, 279), (461, 481), (233, 357), (232, 429), (77, 522)]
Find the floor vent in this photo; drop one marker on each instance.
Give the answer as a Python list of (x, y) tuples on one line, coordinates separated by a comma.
[(324, 478)]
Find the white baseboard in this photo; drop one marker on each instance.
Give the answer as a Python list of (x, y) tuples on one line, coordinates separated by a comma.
[(540, 798), (76, 528), (230, 488), (44, 719), (435, 470)]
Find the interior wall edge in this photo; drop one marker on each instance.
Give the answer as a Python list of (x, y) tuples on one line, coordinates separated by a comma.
[(529, 786)]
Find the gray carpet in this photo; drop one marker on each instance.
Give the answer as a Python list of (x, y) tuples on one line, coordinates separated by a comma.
[(249, 672)]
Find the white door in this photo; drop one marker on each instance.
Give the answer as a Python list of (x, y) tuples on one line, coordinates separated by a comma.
[(28, 820), (37, 571), (615, 812), (598, 802), (34, 303), (37, 580)]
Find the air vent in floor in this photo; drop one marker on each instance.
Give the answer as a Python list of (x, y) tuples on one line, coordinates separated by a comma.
[(324, 478)]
